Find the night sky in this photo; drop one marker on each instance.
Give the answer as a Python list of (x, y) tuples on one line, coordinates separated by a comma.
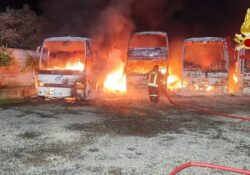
[(180, 18)]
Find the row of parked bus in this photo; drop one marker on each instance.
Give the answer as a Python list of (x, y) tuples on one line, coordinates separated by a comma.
[(66, 65)]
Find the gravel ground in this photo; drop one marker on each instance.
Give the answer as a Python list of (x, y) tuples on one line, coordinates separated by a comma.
[(122, 136)]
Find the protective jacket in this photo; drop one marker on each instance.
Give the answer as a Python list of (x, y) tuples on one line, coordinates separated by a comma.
[(153, 78)]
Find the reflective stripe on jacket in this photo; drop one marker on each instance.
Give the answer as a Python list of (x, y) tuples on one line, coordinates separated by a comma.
[(153, 79), (153, 95)]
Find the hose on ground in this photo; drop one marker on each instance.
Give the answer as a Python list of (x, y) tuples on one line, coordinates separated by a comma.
[(207, 165)]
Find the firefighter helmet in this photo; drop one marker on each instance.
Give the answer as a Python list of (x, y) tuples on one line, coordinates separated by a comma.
[(156, 68)]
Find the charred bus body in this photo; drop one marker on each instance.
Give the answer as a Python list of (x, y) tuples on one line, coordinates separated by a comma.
[(244, 70), (65, 68), (205, 66), (145, 50)]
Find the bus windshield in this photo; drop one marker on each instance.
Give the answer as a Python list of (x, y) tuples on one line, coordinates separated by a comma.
[(147, 47), (204, 57), (63, 55)]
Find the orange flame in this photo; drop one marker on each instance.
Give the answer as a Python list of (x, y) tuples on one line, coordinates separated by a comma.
[(78, 66), (235, 78), (203, 88), (75, 66), (173, 81), (116, 80)]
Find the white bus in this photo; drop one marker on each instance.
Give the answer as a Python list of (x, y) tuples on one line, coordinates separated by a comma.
[(65, 68), (205, 66)]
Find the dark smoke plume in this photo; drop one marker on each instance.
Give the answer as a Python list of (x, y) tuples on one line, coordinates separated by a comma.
[(110, 34), (110, 22), (181, 18)]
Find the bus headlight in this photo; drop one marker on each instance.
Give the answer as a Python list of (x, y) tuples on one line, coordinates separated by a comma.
[(40, 83)]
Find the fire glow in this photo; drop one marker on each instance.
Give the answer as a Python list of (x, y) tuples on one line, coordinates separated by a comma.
[(116, 79), (173, 81), (235, 78), (77, 66)]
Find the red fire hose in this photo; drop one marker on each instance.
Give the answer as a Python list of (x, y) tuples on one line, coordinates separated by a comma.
[(206, 110), (206, 165)]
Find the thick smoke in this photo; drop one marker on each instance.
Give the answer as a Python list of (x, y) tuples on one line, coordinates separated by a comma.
[(182, 18), (110, 34), (110, 22)]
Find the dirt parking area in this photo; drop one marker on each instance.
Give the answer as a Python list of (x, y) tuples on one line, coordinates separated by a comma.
[(120, 136)]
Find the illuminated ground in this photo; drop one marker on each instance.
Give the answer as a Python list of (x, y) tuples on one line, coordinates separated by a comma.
[(122, 136)]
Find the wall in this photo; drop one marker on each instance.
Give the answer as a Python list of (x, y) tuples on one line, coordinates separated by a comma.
[(14, 75)]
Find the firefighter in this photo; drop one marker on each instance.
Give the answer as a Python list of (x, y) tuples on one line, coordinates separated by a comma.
[(154, 79)]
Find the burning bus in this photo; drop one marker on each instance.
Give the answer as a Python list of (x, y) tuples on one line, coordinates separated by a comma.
[(205, 66), (65, 68), (145, 50)]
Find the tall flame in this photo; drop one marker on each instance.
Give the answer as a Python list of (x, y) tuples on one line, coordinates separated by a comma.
[(116, 80), (234, 78)]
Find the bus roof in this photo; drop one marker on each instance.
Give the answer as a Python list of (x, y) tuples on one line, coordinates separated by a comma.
[(150, 33), (205, 39), (67, 38)]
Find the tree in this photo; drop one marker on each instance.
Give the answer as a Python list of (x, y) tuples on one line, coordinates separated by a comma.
[(20, 28), (5, 58)]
